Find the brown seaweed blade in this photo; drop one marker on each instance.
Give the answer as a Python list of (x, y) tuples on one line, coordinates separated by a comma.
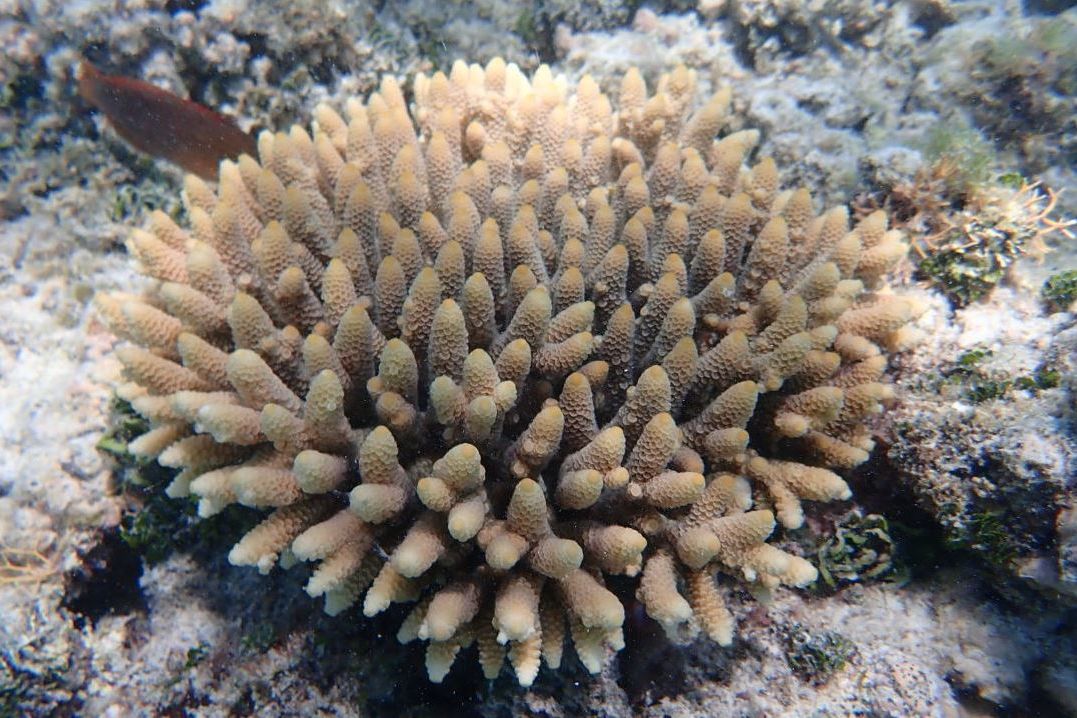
[(164, 125)]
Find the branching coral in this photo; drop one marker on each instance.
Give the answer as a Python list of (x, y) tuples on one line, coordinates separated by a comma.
[(484, 352)]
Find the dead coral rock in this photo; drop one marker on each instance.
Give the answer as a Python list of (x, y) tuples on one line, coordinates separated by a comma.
[(515, 341), (984, 438)]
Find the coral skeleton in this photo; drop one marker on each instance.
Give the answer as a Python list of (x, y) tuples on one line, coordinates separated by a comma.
[(481, 353)]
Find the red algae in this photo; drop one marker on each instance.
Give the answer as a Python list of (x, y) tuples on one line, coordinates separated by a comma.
[(163, 125)]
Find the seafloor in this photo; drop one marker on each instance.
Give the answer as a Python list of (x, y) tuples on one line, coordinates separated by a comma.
[(965, 605)]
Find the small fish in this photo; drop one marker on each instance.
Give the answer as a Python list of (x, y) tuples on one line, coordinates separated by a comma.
[(161, 124)]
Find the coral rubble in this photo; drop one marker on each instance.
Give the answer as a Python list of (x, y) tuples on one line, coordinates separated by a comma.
[(484, 352)]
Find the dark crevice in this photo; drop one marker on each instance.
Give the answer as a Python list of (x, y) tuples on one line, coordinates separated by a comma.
[(919, 540), (811, 105), (743, 47), (26, 87), (325, 71), (257, 42), (1048, 7), (106, 582), (932, 17), (177, 6), (651, 666), (98, 54), (546, 48)]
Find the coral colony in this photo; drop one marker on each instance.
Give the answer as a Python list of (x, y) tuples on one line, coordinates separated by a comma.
[(481, 354)]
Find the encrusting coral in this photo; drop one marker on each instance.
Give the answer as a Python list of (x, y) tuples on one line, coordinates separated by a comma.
[(483, 353)]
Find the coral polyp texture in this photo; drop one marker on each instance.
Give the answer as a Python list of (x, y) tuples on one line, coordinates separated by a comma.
[(483, 352)]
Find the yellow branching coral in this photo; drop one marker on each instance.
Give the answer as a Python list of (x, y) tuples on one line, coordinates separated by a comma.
[(481, 352)]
